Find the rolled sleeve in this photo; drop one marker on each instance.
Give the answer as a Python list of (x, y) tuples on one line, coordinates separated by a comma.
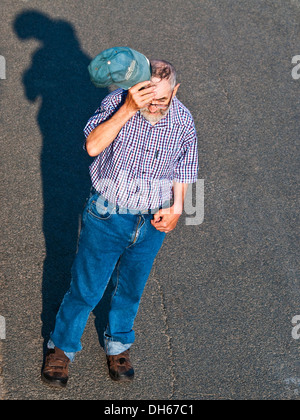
[(187, 166), (100, 116)]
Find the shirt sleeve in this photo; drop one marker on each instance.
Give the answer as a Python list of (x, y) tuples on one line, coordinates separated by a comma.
[(187, 166), (108, 107)]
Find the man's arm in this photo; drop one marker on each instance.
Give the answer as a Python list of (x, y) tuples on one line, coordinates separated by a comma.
[(166, 219), (103, 135), (185, 173)]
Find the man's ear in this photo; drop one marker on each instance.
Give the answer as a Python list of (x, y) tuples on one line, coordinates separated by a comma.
[(175, 90)]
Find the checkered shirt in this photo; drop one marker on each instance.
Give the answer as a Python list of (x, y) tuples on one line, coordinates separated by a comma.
[(137, 170)]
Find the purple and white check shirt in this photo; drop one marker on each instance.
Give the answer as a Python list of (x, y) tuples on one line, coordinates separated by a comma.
[(137, 170)]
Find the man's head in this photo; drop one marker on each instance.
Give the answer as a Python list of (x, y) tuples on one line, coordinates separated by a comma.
[(164, 80)]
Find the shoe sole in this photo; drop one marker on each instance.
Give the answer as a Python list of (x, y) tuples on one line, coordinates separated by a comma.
[(54, 383), (122, 378)]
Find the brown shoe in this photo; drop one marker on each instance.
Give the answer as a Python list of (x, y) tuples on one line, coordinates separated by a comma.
[(120, 367), (55, 372)]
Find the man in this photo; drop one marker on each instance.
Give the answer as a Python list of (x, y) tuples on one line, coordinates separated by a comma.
[(145, 145)]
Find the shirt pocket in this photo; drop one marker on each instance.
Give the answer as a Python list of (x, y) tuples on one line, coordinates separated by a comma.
[(162, 163)]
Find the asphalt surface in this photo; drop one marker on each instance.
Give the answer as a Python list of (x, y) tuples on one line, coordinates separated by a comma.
[(216, 317)]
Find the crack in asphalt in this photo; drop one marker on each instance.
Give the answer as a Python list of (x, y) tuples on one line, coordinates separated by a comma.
[(166, 332)]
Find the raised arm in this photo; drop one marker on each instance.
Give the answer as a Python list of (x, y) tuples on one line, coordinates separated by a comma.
[(103, 135)]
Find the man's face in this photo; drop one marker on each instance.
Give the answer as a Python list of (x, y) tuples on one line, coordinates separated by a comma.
[(161, 103)]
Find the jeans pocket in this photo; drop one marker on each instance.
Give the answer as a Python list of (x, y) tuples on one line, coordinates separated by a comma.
[(100, 209)]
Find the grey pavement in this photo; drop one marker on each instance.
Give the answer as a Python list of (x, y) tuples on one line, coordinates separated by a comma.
[(216, 317)]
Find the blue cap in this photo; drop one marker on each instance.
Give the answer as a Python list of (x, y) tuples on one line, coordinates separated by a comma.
[(119, 66)]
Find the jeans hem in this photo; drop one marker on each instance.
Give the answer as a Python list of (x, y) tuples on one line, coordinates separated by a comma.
[(70, 356), (113, 348)]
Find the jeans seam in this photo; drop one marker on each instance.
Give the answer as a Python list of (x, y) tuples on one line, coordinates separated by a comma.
[(118, 277), (114, 294)]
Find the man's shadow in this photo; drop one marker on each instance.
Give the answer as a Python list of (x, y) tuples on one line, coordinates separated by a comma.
[(58, 76)]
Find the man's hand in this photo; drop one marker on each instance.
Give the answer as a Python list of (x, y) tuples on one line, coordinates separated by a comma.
[(166, 220), (139, 96)]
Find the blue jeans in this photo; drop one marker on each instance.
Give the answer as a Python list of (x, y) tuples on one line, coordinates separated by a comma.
[(112, 245)]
